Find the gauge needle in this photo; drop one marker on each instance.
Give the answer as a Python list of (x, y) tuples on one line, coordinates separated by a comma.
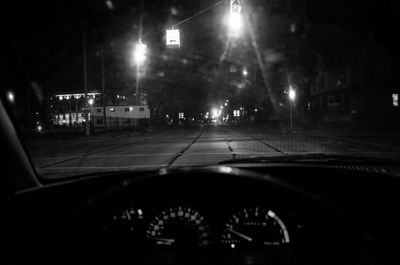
[(240, 235), (167, 240), (128, 215)]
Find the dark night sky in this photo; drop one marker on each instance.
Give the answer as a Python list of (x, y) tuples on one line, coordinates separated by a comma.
[(46, 36)]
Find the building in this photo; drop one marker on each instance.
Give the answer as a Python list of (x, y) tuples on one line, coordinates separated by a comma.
[(355, 85), (68, 110), (118, 116)]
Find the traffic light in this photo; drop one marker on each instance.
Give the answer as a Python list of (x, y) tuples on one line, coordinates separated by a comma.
[(235, 18), (236, 7)]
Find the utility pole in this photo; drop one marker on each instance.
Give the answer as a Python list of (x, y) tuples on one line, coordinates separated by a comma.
[(291, 115), (87, 131), (138, 65), (103, 87), (137, 85)]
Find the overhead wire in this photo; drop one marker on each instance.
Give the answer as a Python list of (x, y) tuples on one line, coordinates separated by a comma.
[(186, 19)]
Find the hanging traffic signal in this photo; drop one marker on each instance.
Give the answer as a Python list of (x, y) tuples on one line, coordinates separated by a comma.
[(236, 7), (235, 18), (173, 38)]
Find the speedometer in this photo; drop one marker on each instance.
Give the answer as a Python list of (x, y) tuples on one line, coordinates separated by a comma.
[(255, 226), (179, 226)]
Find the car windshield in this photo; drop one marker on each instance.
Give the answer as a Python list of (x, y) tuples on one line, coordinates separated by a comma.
[(116, 85)]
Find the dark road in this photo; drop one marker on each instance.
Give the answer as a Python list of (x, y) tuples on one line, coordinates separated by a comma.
[(183, 147)]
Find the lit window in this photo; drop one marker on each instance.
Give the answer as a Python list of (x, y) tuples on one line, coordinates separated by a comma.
[(395, 98), (112, 110)]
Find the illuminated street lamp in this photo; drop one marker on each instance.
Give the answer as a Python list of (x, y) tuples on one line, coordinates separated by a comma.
[(292, 94), (10, 96), (91, 102), (235, 18), (215, 113), (292, 98), (140, 53), (245, 73)]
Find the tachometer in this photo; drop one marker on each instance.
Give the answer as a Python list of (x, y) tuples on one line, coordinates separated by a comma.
[(179, 226), (256, 227)]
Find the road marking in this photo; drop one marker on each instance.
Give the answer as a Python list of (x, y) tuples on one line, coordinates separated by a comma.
[(230, 148), (104, 156), (102, 168), (270, 146), (263, 142), (178, 155), (169, 154), (118, 168), (99, 151)]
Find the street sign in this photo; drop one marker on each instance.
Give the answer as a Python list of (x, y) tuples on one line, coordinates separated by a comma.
[(173, 38)]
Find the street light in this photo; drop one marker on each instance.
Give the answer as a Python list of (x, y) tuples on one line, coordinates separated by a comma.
[(292, 94), (139, 56), (215, 113), (140, 53), (292, 98), (91, 102), (235, 18), (10, 96), (245, 73)]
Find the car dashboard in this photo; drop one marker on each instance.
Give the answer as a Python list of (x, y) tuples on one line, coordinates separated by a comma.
[(238, 214)]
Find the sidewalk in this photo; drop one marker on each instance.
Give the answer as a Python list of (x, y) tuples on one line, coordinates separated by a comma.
[(79, 134), (385, 137), (358, 134)]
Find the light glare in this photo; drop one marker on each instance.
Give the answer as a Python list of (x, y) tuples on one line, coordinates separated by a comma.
[(140, 53), (292, 94), (235, 24), (10, 96)]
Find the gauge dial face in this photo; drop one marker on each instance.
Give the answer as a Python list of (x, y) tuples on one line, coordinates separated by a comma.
[(128, 215), (255, 227), (179, 226), (126, 225)]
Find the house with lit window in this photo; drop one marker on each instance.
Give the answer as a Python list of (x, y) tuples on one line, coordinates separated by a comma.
[(68, 110), (354, 85)]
